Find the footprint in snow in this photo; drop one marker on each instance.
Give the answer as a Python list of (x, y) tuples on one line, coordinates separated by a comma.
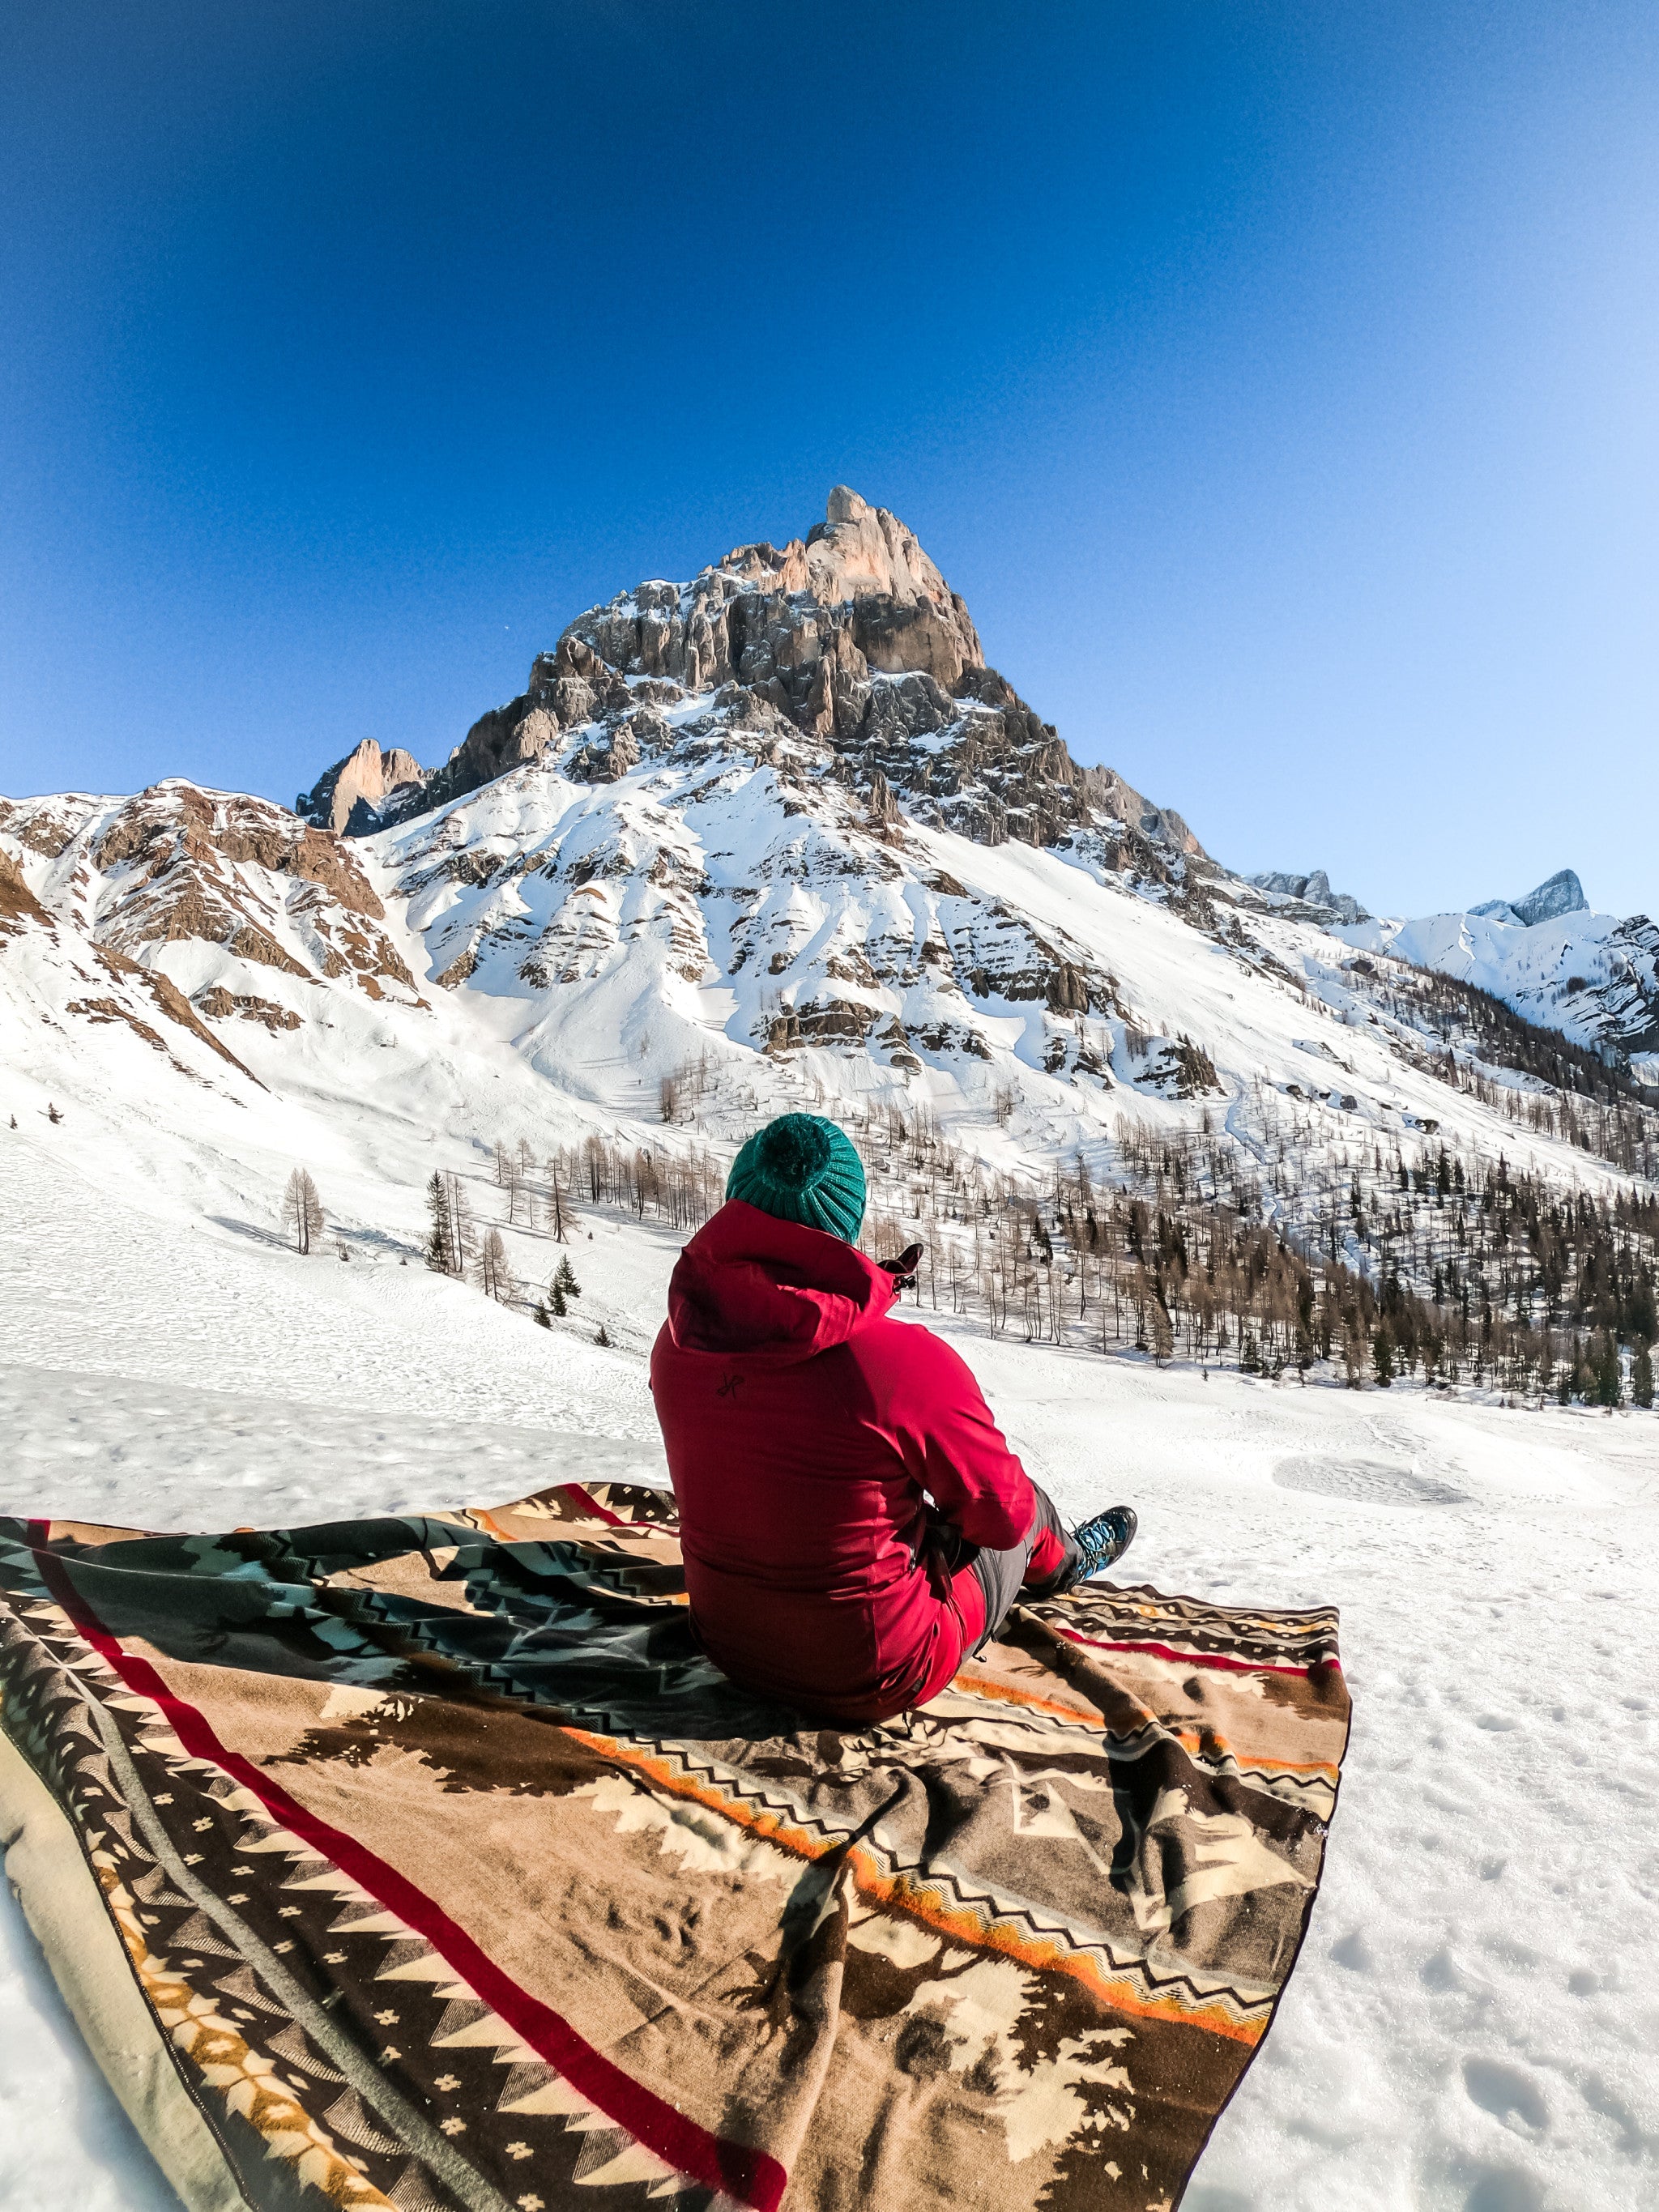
[(1443, 1974), (1354, 1951), (1503, 2189), (1507, 2092), (1365, 1482)]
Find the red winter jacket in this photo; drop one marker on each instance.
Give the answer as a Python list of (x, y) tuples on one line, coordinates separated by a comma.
[(802, 1426)]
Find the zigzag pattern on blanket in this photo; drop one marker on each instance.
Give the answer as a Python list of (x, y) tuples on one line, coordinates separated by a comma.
[(455, 1876)]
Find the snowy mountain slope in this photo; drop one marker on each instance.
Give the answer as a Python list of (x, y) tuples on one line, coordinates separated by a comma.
[(202, 1017), (1593, 977), (774, 837)]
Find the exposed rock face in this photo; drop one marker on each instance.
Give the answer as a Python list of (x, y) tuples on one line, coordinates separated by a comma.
[(357, 791), (767, 617), (178, 864), (1105, 789), (1314, 893), (1628, 1002), (1563, 893), (40, 824), (18, 903), (170, 913), (846, 649)]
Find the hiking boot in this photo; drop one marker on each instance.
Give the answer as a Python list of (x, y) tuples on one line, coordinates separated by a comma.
[(1104, 1540)]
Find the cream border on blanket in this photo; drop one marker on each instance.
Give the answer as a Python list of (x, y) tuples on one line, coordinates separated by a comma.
[(66, 1915)]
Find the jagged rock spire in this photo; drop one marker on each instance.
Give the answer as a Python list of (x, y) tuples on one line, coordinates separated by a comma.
[(849, 639)]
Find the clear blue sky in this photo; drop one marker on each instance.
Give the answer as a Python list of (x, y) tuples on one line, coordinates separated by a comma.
[(1277, 383)]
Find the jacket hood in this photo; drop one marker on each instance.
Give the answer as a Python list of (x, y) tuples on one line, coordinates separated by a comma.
[(749, 1283)]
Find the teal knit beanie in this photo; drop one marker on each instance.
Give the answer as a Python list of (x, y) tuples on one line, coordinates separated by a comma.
[(801, 1168)]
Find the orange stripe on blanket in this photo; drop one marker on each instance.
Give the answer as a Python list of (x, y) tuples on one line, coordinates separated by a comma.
[(483, 1518), (985, 1685), (1210, 1746), (923, 1902), (1216, 1747)]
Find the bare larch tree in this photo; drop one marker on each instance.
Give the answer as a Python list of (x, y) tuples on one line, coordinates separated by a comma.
[(494, 1276), (302, 1211)]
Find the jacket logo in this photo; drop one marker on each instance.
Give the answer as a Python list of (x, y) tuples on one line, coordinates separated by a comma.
[(729, 1387)]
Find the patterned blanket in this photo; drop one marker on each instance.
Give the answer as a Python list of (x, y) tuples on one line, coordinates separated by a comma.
[(425, 1863)]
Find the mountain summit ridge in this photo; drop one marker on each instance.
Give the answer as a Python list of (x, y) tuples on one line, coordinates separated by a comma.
[(1558, 895), (849, 635)]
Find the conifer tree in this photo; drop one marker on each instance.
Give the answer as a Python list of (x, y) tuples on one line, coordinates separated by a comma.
[(1609, 1387), (565, 1278), (555, 1299), (449, 1245), (1382, 1356), (1641, 1377), (437, 1243)]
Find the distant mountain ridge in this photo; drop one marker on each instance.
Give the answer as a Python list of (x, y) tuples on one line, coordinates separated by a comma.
[(849, 645), (1561, 893), (1593, 977), (1314, 893)]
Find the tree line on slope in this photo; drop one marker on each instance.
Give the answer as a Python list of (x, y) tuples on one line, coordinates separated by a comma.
[(1365, 1264), (1462, 1271), (1591, 1100)]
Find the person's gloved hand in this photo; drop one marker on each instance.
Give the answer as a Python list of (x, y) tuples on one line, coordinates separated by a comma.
[(903, 1269)]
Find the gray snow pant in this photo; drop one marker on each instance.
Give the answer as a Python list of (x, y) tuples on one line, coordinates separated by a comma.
[(1001, 1574)]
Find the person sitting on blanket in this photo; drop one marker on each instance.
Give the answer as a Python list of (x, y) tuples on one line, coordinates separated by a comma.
[(852, 1521)]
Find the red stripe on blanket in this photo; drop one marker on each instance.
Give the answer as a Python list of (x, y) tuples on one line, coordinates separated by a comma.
[(751, 2175), (586, 1497), (1196, 1658)]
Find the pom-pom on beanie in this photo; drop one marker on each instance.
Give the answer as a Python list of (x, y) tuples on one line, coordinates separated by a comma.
[(802, 1168)]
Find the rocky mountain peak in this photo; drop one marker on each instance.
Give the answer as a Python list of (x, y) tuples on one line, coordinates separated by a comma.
[(844, 654), (1561, 893), (1314, 893), (801, 625), (357, 791)]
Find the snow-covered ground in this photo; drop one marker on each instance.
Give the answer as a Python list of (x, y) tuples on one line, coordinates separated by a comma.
[(1472, 2024)]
